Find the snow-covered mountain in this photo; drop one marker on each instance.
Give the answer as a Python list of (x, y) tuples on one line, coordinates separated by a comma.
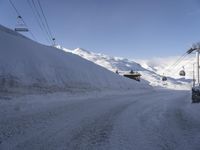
[(25, 64), (123, 65)]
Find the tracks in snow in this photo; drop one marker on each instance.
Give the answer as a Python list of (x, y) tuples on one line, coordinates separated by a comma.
[(153, 121)]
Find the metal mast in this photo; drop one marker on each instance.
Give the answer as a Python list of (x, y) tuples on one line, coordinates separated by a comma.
[(197, 54), (196, 48)]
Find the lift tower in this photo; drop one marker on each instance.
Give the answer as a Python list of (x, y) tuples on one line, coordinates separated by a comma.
[(197, 49)]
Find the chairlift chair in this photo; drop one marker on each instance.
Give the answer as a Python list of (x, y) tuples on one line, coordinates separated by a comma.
[(20, 27)]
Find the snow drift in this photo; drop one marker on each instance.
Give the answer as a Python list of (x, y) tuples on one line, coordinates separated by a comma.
[(29, 65)]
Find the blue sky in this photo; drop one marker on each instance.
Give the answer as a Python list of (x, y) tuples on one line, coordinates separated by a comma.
[(139, 29)]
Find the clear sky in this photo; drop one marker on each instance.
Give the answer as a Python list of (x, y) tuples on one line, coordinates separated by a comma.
[(139, 29)]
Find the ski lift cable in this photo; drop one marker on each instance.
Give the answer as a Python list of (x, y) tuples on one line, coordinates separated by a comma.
[(17, 12), (184, 65), (176, 62), (186, 59), (179, 60), (45, 19), (176, 65), (174, 70), (41, 20), (172, 67), (14, 8), (38, 21)]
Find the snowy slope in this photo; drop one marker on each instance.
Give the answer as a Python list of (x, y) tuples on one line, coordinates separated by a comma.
[(125, 65), (27, 64)]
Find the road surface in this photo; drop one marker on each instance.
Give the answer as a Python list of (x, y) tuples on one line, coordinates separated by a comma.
[(158, 120)]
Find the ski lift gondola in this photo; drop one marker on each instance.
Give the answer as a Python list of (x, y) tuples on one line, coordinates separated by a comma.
[(164, 78), (182, 72), (20, 27)]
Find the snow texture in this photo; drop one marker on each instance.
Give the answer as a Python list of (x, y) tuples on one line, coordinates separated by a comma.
[(151, 120)]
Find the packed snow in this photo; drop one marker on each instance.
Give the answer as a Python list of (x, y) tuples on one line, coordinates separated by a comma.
[(153, 120)]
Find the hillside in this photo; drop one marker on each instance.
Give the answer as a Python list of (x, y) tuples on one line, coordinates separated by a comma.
[(124, 65), (28, 65)]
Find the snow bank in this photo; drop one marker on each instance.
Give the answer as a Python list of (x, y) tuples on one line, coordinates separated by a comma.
[(25, 64)]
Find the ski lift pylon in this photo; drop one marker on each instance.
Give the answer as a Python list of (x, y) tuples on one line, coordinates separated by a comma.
[(20, 27)]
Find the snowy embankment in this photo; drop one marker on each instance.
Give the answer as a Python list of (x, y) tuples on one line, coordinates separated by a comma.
[(26, 65)]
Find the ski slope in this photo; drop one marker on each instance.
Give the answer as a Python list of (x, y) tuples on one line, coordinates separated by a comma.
[(26, 65), (123, 65)]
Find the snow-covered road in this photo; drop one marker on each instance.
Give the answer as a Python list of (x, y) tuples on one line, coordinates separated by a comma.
[(160, 120)]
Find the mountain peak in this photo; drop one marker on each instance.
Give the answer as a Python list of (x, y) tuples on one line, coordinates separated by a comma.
[(81, 50)]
